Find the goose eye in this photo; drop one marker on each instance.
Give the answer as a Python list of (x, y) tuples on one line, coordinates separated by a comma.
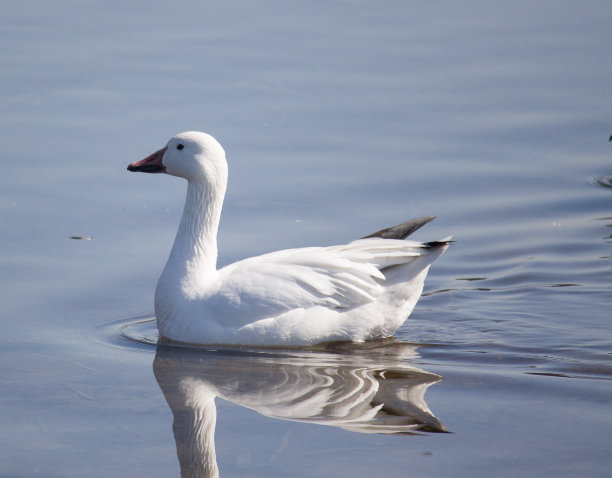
[(179, 146)]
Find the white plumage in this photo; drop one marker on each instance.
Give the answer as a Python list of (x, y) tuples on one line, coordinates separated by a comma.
[(358, 291)]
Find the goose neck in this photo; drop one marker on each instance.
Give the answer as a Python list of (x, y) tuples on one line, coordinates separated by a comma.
[(195, 245)]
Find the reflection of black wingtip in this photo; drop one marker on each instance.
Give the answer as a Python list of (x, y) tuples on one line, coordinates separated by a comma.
[(610, 138), (433, 429)]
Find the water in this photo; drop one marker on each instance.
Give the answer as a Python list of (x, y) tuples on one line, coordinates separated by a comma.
[(338, 118)]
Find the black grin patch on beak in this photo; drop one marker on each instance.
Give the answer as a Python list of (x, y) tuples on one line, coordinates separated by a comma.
[(146, 168)]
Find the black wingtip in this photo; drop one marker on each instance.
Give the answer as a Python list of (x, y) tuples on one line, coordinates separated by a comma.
[(403, 230), (433, 244)]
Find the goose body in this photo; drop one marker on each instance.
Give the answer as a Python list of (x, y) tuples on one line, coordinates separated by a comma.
[(358, 291)]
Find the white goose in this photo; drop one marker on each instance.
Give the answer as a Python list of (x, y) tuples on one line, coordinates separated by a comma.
[(358, 291)]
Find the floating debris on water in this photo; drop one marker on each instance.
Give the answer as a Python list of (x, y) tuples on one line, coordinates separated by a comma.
[(605, 182)]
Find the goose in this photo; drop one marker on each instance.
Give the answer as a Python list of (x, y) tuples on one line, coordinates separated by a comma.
[(358, 291)]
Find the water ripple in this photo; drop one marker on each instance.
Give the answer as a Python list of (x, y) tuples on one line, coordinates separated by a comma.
[(139, 333)]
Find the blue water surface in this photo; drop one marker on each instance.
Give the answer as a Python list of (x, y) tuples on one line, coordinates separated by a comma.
[(338, 119)]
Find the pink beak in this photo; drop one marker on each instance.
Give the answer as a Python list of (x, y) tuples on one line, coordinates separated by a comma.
[(151, 164)]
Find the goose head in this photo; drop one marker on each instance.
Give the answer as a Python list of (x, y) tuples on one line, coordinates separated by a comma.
[(191, 155)]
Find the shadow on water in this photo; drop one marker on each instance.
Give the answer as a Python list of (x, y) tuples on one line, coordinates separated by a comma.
[(372, 390)]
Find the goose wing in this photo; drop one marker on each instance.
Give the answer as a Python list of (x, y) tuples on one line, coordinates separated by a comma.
[(339, 277)]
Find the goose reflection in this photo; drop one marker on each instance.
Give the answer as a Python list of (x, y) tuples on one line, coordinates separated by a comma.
[(369, 390)]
